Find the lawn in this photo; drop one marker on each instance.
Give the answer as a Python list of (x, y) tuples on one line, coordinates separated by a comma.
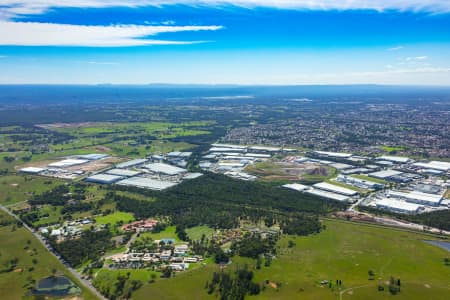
[(18, 188), (344, 251), (114, 218), (167, 233), (391, 149), (195, 233), (13, 285)]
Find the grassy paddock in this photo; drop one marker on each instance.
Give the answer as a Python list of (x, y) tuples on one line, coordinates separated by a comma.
[(14, 244), (345, 251)]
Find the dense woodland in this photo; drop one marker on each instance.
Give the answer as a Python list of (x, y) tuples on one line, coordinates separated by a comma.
[(90, 246), (220, 202), (233, 285)]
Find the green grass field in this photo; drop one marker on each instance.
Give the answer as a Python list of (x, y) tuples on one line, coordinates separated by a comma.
[(195, 233), (168, 233), (13, 244), (115, 217), (344, 251), (18, 188), (391, 149)]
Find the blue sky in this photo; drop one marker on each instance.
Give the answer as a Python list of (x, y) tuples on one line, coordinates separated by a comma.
[(231, 41)]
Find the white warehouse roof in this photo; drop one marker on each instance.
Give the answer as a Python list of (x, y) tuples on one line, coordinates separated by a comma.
[(103, 178), (164, 168), (123, 172), (334, 154), (131, 163), (296, 186), (325, 194), (436, 165), (397, 159), (334, 188), (147, 183), (397, 205), (385, 174), (32, 170), (229, 146), (68, 163), (418, 197)]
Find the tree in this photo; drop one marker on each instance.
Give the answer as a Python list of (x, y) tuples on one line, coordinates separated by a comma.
[(167, 272)]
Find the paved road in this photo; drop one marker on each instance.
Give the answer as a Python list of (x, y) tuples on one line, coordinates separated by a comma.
[(74, 272)]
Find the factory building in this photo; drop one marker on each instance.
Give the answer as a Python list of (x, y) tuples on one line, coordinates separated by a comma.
[(103, 178), (131, 163), (434, 165), (147, 183), (360, 183), (123, 172), (68, 163), (398, 206), (296, 187), (32, 170), (335, 189), (332, 154), (161, 168), (93, 156), (384, 174), (417, 197), (395, 159), (327, 195)]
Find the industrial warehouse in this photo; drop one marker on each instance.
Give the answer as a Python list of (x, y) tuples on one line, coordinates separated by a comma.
[(143, 173)]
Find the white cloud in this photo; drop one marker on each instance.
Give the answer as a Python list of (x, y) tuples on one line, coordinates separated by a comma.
[(12, 8), (49, 34), (416, 58), (101, 63), (396, 48)]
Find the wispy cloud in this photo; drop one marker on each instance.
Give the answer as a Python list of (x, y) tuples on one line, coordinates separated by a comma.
[(10, 8), (49, 34), (396, 48), (3, 56), (101, 63), (424, 57)]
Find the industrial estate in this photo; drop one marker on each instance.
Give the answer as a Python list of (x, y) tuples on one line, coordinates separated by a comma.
[(181, 208)]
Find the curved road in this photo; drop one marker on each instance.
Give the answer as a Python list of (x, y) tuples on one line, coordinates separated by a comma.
[(74, 272)]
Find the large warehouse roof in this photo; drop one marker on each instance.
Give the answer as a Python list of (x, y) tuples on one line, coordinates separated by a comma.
[(397, 205), (131, 163), (334, 188), (93, 156), (123, 172), (334, 154), (328, 195), (68, 163), (164, 169), (418, 197), (385, 174), (103, 178), (229, 146), (397, 159), (32, 170), (436, 165), (147, 183), (296, 186)]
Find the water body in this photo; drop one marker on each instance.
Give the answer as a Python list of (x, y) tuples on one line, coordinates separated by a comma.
[(56, 286), (440, 244)]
